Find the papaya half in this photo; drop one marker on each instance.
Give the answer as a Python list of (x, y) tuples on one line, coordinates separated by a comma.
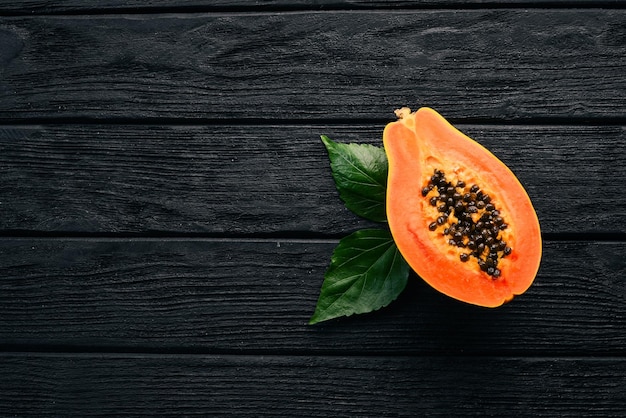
[(458, 215)]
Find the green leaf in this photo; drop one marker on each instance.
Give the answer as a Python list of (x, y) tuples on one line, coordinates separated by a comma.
[(360, 173), (366, 273)]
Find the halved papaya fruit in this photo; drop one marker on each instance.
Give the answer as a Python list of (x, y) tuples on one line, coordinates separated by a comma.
[(459, 216)]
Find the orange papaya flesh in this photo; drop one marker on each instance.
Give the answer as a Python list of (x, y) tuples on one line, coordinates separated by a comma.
[(459, 216)]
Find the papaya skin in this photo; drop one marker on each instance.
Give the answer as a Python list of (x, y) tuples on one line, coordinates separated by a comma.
[(423, 141)]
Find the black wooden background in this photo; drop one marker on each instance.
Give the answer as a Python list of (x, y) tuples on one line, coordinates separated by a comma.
[(167, 210)]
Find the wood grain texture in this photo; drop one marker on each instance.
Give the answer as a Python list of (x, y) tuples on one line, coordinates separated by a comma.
[(477, 64), (234, 296), (30, 7), (194, 128), (251, 180), (242, 386)]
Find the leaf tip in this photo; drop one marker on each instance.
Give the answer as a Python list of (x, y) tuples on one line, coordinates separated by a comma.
[(326, 140), (316, 318)]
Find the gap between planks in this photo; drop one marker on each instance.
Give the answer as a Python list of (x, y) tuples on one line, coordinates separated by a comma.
[(305, 122), (291, 238), (286, 355), (319, 7)]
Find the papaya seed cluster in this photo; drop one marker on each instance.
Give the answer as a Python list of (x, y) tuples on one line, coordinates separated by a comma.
[(469, 220)]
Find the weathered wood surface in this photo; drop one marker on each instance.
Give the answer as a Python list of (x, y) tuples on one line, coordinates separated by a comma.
[(507, 64), (260, 180), (154, 385), (257, 296), (167, 210), (30, 7)]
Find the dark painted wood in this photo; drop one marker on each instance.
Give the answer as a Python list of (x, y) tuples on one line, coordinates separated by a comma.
[(257, 296), (195, 129), (251, 180), (34, 7), (489, 64), (30, 7), (274, 386)]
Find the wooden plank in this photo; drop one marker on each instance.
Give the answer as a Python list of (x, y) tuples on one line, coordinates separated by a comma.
[(77, 6), (232, 296), (242, 386), (250, 180), (475, 64)]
